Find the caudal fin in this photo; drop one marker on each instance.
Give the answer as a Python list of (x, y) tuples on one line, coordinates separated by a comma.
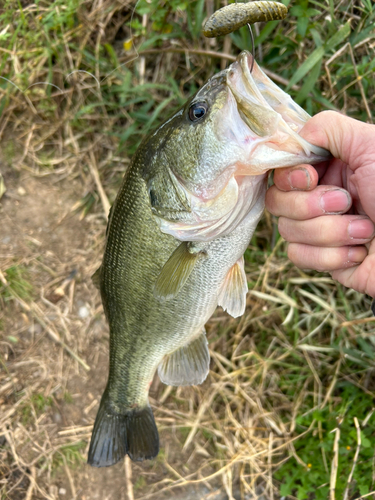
[(114, 436)]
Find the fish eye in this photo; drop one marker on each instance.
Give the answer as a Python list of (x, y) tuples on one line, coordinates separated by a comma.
[(197, 111)]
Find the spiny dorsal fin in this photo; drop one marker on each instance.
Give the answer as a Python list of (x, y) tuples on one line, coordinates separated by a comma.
[(176, 271), (188, 365), (96, 278), (232, 296)]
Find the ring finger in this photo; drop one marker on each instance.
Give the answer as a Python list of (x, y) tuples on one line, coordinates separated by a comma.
[(328, 230)]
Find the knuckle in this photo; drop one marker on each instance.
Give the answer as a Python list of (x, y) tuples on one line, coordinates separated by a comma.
[(280, 178)]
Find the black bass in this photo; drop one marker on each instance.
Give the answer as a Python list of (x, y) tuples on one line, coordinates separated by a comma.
[(177, 232)]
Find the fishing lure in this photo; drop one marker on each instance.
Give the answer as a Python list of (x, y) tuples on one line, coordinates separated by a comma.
[(234, 16)]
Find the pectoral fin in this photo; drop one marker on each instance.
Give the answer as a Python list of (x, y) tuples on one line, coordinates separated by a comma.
[(188, 365), (232, 296), (176, 271)]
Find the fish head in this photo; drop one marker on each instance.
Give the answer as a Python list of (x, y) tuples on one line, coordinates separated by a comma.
[(218, 149)]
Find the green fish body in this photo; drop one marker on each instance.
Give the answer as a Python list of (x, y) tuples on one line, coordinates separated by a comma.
[(177, 232)]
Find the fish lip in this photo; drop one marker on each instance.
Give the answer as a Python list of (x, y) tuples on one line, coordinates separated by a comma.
[(262, 116)]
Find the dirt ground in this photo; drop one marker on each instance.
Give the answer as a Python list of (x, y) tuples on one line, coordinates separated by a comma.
[(56, 351)]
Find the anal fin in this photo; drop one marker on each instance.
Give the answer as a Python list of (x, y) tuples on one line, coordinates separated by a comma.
[(188, 365), (232, 296)]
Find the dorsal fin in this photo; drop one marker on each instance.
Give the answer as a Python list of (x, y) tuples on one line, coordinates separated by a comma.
[(188, 365), (232, 295), (96, 278)]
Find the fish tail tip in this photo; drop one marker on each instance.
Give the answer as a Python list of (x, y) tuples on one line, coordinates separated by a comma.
[(108, 440), (114, 436), (143, 436)]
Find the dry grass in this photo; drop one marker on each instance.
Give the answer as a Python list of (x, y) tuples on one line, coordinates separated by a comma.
[(302, 339)]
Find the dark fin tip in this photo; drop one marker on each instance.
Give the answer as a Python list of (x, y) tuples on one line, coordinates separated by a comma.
[(108, 440), (114, 436), (143, 436), (373, 307)]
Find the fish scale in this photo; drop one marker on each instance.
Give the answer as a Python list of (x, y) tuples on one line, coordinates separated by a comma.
[(147, 315)]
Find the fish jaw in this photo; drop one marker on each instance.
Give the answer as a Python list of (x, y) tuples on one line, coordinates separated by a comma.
[(274, 121)]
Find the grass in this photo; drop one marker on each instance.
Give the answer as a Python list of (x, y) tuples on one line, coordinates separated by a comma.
[(33, 408), (16, 283), (301, 477), (288, 407), (70, 454)]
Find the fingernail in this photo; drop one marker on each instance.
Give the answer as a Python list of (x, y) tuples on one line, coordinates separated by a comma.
[(299, 178), (361, 229), (335, 201), (357, 254)]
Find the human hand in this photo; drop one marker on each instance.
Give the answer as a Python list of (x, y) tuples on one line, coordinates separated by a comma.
[(327, 213)]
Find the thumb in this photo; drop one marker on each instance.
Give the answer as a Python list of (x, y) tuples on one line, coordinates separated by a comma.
[(350, 140)]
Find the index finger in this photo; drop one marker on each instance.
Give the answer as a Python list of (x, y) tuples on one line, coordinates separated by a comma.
[(301, 178)]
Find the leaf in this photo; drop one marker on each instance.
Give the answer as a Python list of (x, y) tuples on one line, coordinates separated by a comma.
[(318, 416), (302, 493), (112, 54), (285, 490), (364, 489), (367, 349), (309, 83), (318, 54), (338, 37), (316, 37), (302, 25), (266, 32), (366, 443), (306, 66), (297, 11)]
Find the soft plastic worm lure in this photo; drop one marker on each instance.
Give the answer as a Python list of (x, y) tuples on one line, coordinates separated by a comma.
[(234, 16)]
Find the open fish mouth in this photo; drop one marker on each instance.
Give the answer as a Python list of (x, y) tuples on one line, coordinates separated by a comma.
[(270, 113)]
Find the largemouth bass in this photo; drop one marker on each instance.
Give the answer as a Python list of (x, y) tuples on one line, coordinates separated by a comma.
[(177, 232)]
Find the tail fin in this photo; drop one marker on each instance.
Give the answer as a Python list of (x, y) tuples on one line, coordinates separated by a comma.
[(114, 436)]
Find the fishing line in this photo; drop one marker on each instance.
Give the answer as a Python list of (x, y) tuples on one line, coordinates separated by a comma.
[(252, 47), (135, 48), (252, 51), (83, 71), (136, 56)]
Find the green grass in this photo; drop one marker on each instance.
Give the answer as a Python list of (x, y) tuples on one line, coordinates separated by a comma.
[(18, 284), (34, 407), (70, 455), (316, 448)]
